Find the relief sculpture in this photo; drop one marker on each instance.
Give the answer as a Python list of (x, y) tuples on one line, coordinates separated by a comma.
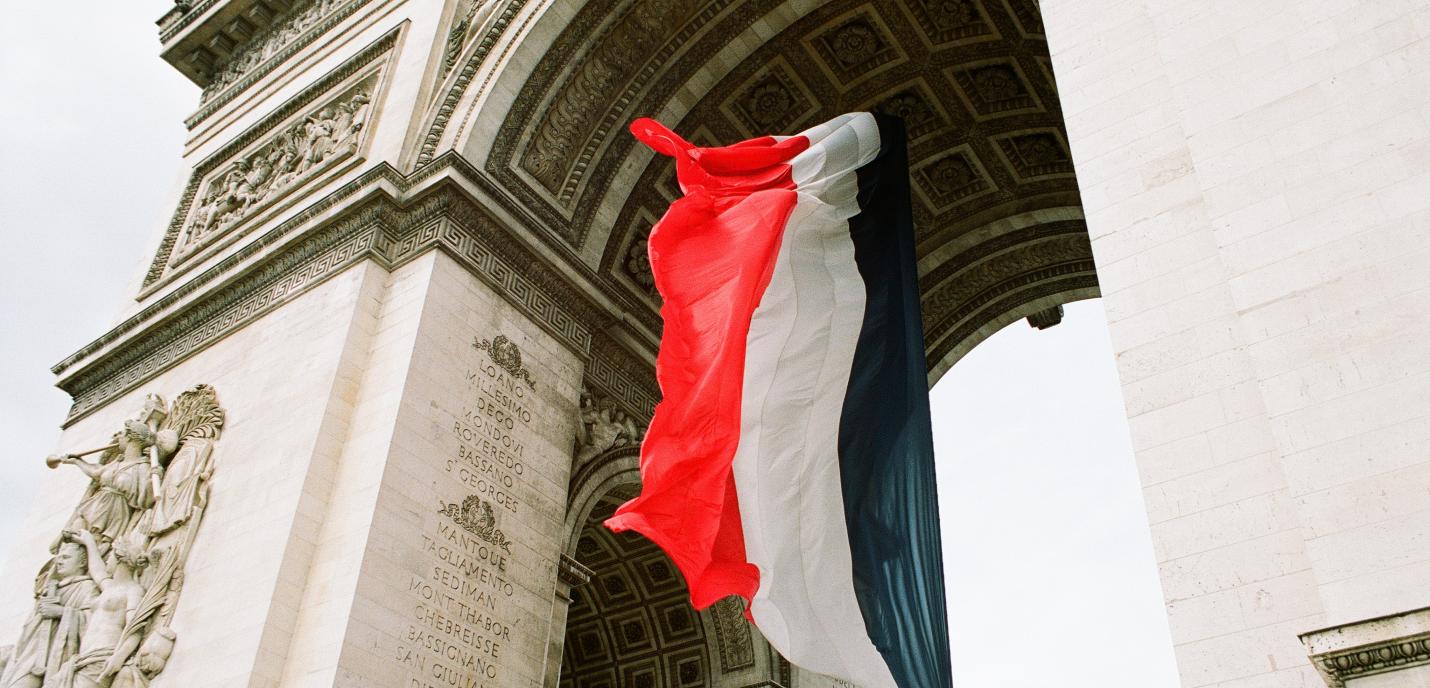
[(104, 600), (295, 153), (271, 43), (603, 427)]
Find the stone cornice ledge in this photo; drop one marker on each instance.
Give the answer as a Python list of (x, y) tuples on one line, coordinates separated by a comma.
[(1374, 646), (391, 219)]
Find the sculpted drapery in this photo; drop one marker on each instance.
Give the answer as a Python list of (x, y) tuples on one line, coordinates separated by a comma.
[(104, 600)]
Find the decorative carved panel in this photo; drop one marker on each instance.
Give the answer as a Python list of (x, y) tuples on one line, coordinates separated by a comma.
[(300, 150), (306, 138), (774, 99), (104, 600), (288, 33)]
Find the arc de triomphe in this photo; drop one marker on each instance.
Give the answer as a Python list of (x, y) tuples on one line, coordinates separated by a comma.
[(393, 357)]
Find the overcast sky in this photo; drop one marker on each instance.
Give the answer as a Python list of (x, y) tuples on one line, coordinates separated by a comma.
[(1051, 578)]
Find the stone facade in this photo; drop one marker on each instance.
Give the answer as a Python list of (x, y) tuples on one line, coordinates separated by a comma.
[(1254, 183), (411, 255)]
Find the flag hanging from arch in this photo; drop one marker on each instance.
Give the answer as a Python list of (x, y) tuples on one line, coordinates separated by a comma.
[(791, 459)]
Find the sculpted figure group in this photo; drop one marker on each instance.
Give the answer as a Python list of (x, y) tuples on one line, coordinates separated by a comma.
[(104, 600), (604, 426), (331, 131)]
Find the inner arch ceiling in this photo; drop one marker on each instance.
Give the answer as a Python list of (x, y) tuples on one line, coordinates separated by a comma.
[(996, 207)]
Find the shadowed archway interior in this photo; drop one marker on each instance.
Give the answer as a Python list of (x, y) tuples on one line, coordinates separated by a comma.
[(999, 222), (995, 199), (632, 626)]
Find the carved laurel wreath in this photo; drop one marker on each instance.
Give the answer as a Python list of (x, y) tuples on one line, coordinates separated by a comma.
[(507, 355)]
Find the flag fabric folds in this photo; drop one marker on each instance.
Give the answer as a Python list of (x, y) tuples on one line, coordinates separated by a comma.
[(791, 459)]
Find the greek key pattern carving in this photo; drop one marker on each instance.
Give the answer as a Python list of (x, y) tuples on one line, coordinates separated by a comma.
[(229, 310), (616, 383), (204, 170), (463, 243), (302, 25), (379, 229)]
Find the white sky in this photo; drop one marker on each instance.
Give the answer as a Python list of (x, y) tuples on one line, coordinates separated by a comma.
[(1050, 569)]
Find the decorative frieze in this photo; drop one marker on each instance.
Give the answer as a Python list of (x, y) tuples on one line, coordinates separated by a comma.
[(294, 144), (298, 152), (295, 30), (104, 600), (381, 229), (732, 632), (1361, 649)]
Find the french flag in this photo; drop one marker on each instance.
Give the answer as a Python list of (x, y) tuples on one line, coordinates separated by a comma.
[(791, 459)]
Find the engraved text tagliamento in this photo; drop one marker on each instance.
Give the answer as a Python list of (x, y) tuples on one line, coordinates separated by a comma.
[(464, 599)]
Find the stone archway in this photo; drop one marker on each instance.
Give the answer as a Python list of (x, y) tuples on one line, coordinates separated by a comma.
[(996, 202), (1001, 234), (630, 623)]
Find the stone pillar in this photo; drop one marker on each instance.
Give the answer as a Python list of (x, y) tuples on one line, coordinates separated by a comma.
[(1254, 183), (440, 547), (570, 574)]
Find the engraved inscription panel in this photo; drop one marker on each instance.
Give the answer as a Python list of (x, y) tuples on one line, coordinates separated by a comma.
[(486, 554)]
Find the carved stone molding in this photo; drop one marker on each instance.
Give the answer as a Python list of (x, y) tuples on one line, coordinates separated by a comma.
[(255, 179), (104, 601), (240, 201), (616, 374), (732, 632), (443, 114), (382, 229), (1367, 648), (576, 140), (1046, 318), (294, 30), (572, 572)]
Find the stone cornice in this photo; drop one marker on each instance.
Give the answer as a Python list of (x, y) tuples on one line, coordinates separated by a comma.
[(198, 35), (572, 572), (215, 99), (1374, 646), (391, 219)]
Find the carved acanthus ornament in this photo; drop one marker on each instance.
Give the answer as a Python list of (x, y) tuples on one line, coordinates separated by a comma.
[(604, 426), (297, 152), (104, 600)]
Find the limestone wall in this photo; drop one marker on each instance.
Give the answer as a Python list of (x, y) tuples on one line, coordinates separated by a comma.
[(286, 384), (1254, 177)]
